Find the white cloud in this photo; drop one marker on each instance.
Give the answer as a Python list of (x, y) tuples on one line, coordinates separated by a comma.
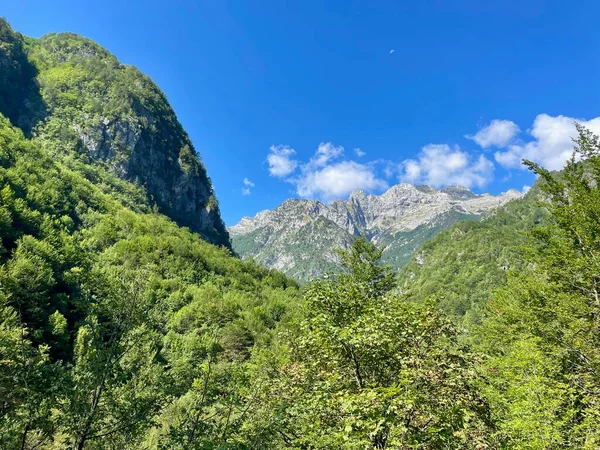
[(390, 168), (247, 190), (336, 181), (330, 174), (323, 176), (326, 152), (280, 161), (552, 145), (441, 165), (497, 134), (412, 170), (525, 189)]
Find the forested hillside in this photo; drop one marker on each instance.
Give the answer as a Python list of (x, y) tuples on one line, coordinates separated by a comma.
[(118, 328), (78, 101), (121, 330), (114, 320), (523, 285), (461, 267)]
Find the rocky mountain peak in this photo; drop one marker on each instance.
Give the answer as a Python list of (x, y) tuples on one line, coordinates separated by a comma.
[(357, 194), (513, 193), (299, 235), (459, 192)]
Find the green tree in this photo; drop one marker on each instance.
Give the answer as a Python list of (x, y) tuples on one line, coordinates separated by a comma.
[(543, 329), (116, 377), (27, 379), (368, 370)]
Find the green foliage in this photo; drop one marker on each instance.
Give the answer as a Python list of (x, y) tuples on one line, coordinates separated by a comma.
[(542, 333), (189, 162), (368, 370), (461, 267), (109, 317), (19, 97), (25, 378)]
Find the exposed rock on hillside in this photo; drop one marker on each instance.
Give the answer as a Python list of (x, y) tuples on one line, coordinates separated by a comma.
[(299, 237), (74, 94)]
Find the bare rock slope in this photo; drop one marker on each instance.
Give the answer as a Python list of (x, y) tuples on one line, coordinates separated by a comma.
[(300, 236)]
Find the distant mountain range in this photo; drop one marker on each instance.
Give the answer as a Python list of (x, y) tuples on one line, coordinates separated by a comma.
[(300, 236)]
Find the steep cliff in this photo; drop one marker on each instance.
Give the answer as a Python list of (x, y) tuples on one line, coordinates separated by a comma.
[(69, 93)]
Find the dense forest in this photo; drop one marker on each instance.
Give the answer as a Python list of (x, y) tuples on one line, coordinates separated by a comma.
[(461, 267), (122, 327)]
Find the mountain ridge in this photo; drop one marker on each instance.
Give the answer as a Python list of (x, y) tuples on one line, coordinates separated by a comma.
[(75, 98), (400, 219)]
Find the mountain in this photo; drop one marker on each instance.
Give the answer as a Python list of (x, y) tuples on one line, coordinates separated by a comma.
[(109, 316), (462, 266), (118, 328), (300, 236), (79, 102), (121, 329)]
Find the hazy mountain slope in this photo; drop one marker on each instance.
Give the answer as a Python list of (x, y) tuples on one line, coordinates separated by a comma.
[(300, 236), (76, 99), (401, 246)]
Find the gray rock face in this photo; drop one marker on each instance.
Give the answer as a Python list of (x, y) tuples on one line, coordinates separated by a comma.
[(300, 236), (127, 146), (75, 97)]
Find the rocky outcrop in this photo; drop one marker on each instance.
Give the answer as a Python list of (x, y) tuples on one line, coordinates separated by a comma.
[(116, 117), (300, 236)]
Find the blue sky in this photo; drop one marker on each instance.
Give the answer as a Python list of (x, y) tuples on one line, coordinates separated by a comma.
[(282, 93)]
